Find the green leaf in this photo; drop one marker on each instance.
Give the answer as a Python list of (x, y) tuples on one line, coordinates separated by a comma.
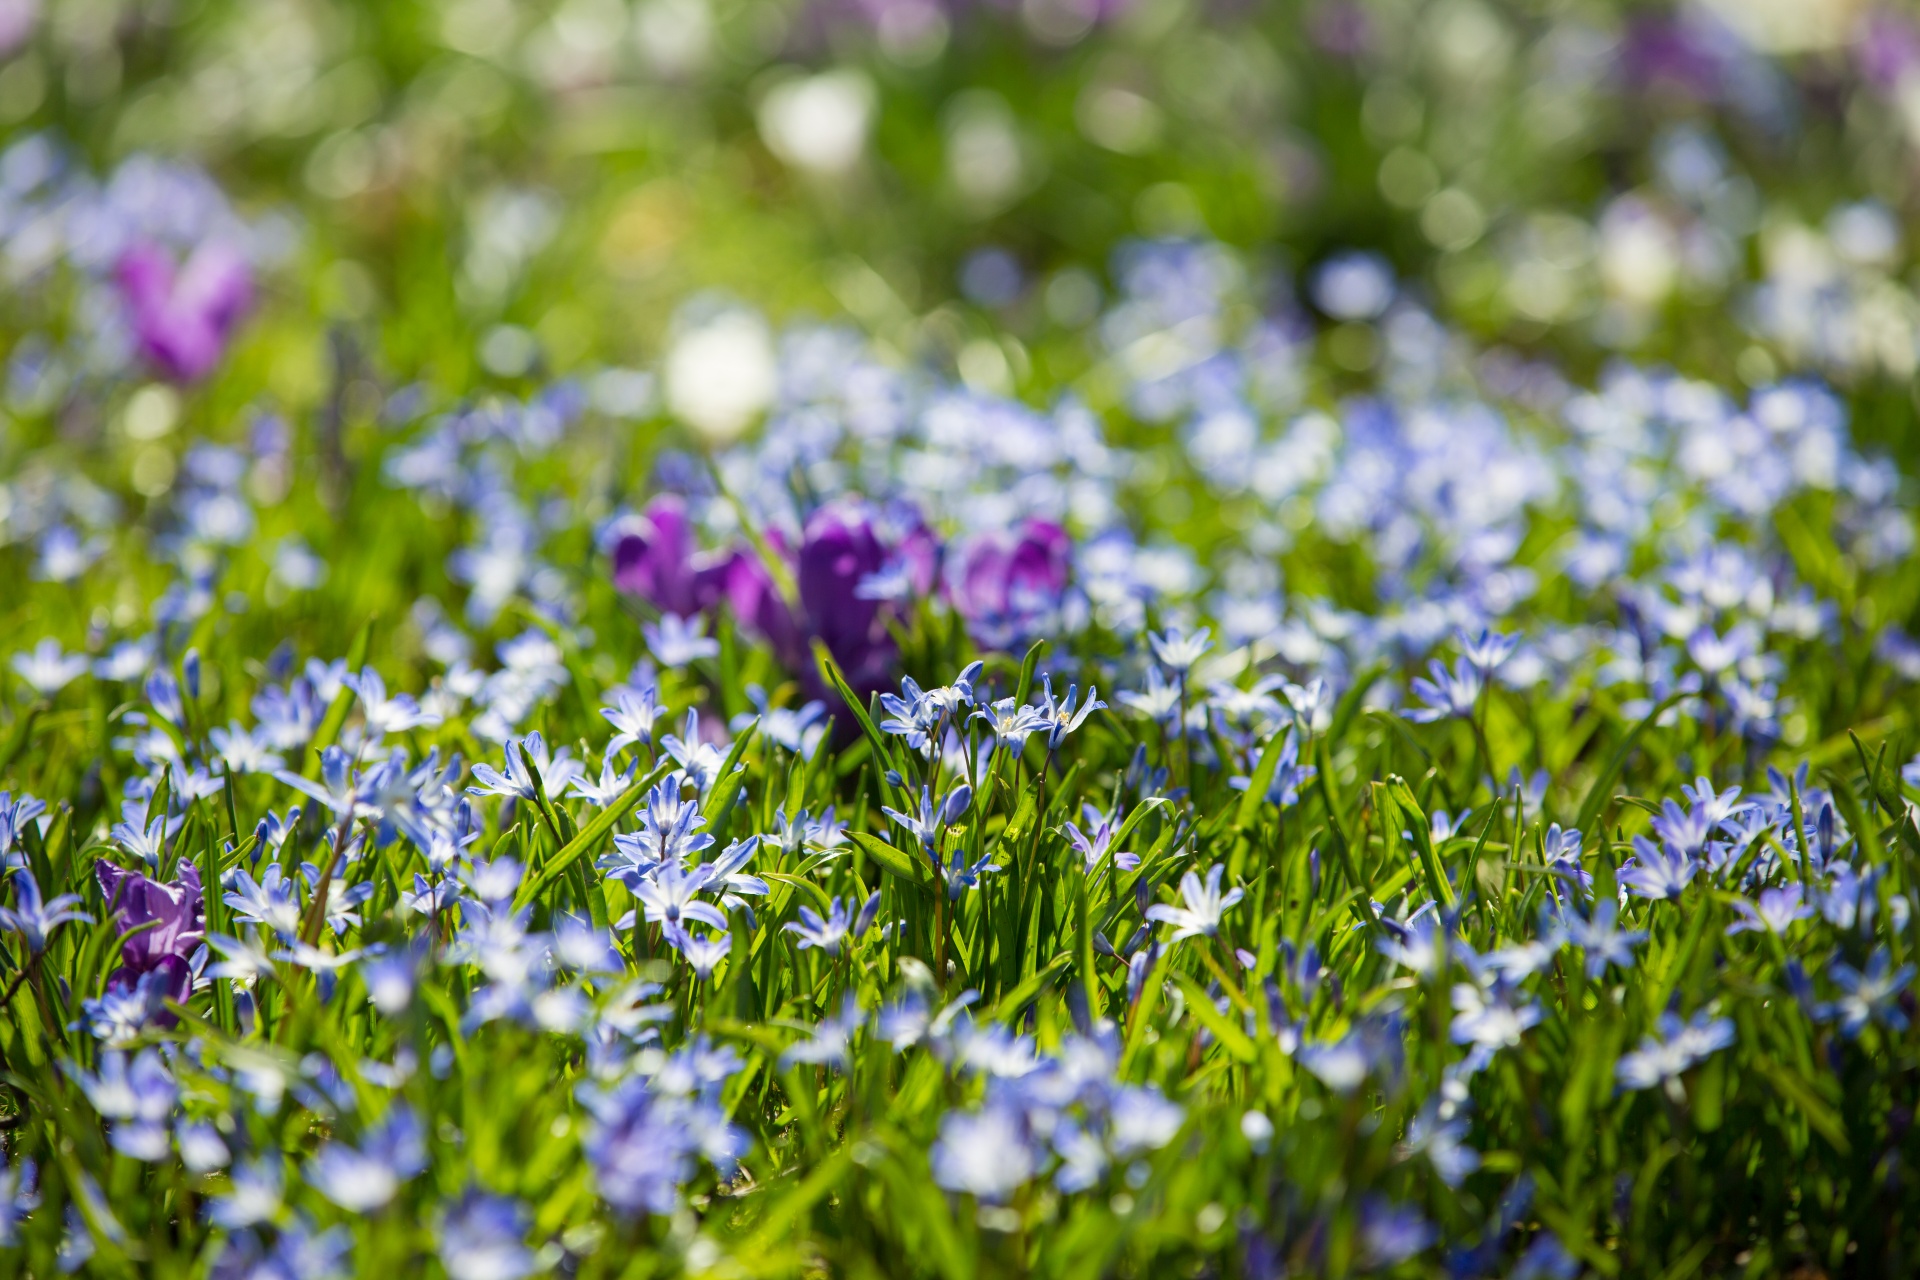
[(906, 866), (1336, 829), (1231, 1038), (732, 779), (1597, 794), (1029, 987), (1798, 1093), (589, 837), (814, 893), (1420, 828), (830, 672), (330, 724), (788, 1208), (1256, 793), (1027, 664)]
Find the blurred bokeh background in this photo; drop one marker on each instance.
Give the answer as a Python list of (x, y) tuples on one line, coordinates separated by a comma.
[(476, 192)]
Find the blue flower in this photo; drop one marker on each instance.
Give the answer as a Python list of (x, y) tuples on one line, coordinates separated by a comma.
[(483, 1237), (1391, 1233), (1342, 1065), (1601, 939), (1010, 724), (612, 784), (1289, 775), (1060, 717), (1448, 694), (989, 1153), (926, 825), (14, 817), (47, 669), (1777, 911), (1093, 843), (386, 715), (1141, 1118), (831, 1038), (1674, 1048), (19, 1196), (32, 918), (1869, 995), (699, 761), (669, 835), (800, 833), (1159, 701), (678, 642), (1486, 651), (644, 1145), (300, 1253), (731, 881), (1491, 1018), (1205, 905), (668, 896), (139, 1097), (825, 933), (703, 954), (633, 713), (1561, 848), (800, 731), (118, 1016), (1178, 650), (556, 771), (364, 1178), (1657, 872), (271, 902), (143, 838), (202, 1149), (252, 1196)]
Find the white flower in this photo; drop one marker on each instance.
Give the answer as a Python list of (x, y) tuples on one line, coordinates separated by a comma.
[(1205, 905)]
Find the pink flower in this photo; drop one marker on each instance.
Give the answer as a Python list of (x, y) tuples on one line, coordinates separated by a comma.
[(183, 316)]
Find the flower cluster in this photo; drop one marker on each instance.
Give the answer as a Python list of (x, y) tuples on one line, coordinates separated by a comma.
[(1389, 757)]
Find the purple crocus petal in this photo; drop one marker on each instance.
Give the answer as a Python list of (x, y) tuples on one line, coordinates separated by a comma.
[(18, 18), (1002, 584), (839, 547), (978, 585), (758, 605), (842, 546), (1341, 29), (182, 318), (920, 550), (1663, 51), (1887, 48), (653, 558), (175, 910), (1040, 562)]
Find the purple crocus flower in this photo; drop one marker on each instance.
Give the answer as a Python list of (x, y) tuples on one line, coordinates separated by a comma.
[(1009, 585), (1887, 48), (18, 18), (841, 548), (1689, 54), (844, 547), (655, 557), (183, 315), (759, 606), (178, 925), (1342, 30), (853, 568)]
